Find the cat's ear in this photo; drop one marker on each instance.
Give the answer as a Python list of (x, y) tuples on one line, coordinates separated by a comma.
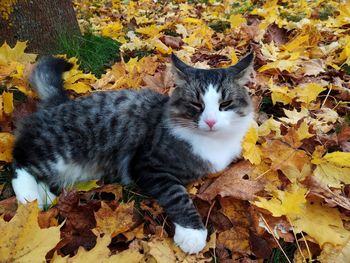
[(242, 70), (181, 70)]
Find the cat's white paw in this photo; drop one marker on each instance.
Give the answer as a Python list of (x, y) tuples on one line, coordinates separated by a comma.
[(190, 240), (27, 189)]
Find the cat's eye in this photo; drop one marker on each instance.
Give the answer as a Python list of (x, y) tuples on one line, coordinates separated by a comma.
[(197, 105), (225, 104)]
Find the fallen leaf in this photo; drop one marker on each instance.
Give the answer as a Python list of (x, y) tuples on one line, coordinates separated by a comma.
[(251, 151), (6, 142), (22, 240), (86, 186), (231, 183), (114, 222)]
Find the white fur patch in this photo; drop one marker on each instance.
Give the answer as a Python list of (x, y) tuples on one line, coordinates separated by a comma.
[(190, 240), (69, 173), (221, 144), (27, 189), (211, 109)]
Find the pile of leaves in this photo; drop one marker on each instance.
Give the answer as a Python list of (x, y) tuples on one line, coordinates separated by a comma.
[(287, 199)]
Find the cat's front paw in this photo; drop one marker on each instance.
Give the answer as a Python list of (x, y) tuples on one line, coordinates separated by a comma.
[(190, 240)]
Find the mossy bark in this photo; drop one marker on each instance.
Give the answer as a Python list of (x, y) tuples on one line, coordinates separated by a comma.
[(39, 22)]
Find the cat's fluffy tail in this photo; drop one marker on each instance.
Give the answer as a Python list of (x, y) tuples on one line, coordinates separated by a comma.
[(47, 80)]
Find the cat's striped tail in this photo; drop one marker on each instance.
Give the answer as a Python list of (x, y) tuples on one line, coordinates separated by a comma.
[(47, 80)]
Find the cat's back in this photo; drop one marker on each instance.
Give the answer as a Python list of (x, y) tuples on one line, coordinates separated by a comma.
[(98, 107), (89, 127)]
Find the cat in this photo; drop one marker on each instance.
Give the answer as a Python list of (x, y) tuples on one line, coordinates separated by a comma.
[(159, 142)]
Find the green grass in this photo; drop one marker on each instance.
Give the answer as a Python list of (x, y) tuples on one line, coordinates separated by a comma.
[(326, 11), (277, 255), (95, 53)]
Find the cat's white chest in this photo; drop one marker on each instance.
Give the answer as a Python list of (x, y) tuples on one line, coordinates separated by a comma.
[(218, 148), (220, 152)]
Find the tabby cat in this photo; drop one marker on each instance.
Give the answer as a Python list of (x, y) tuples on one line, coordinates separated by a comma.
[(159, 142)]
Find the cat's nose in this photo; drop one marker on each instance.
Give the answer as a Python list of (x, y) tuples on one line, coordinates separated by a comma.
[(210, 123)]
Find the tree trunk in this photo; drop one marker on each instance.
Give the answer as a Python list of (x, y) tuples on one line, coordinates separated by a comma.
[(40, 22)]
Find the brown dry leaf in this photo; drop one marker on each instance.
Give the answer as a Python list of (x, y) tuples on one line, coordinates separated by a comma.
[(22, 240), (114, 222), (48, 218), (173, 42), (161, 81), (137, 232), (333, 198), (231, 183), (115, 189), (235, 239)]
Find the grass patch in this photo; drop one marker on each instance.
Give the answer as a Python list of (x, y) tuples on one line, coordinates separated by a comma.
[(277, 255), (94, 53), (219, 26), (139, 53), (326, 11)]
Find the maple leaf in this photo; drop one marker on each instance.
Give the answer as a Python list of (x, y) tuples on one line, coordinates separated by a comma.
[(251, 151), (284, 202), (231, 183), (114, 222), (9, 55), (237, 20), (6, 142), (73, 79), (333, 169), (325, 218), (101, 253), (86, 186), (294, 163), (22, 240)]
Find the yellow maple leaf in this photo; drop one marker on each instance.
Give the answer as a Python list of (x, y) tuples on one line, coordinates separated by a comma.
[(322, 223), (161, 47), (8, 102), (341, 159), (283, 64), (332, 169), (113, 30), (269, 50), (280, 94), (17, 54), (308, 92), (303, 131), (296, 43), (294, 116), (22, 240), (73, 79), (289, 202), (6, 143), (270, 125), (237, 20), (101, 253), (251, 151)]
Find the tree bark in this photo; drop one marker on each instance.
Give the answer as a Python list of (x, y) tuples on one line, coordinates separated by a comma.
[(40, 22)]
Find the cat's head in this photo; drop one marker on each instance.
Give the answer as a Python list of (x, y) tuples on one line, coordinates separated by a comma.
[(211, 100)]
